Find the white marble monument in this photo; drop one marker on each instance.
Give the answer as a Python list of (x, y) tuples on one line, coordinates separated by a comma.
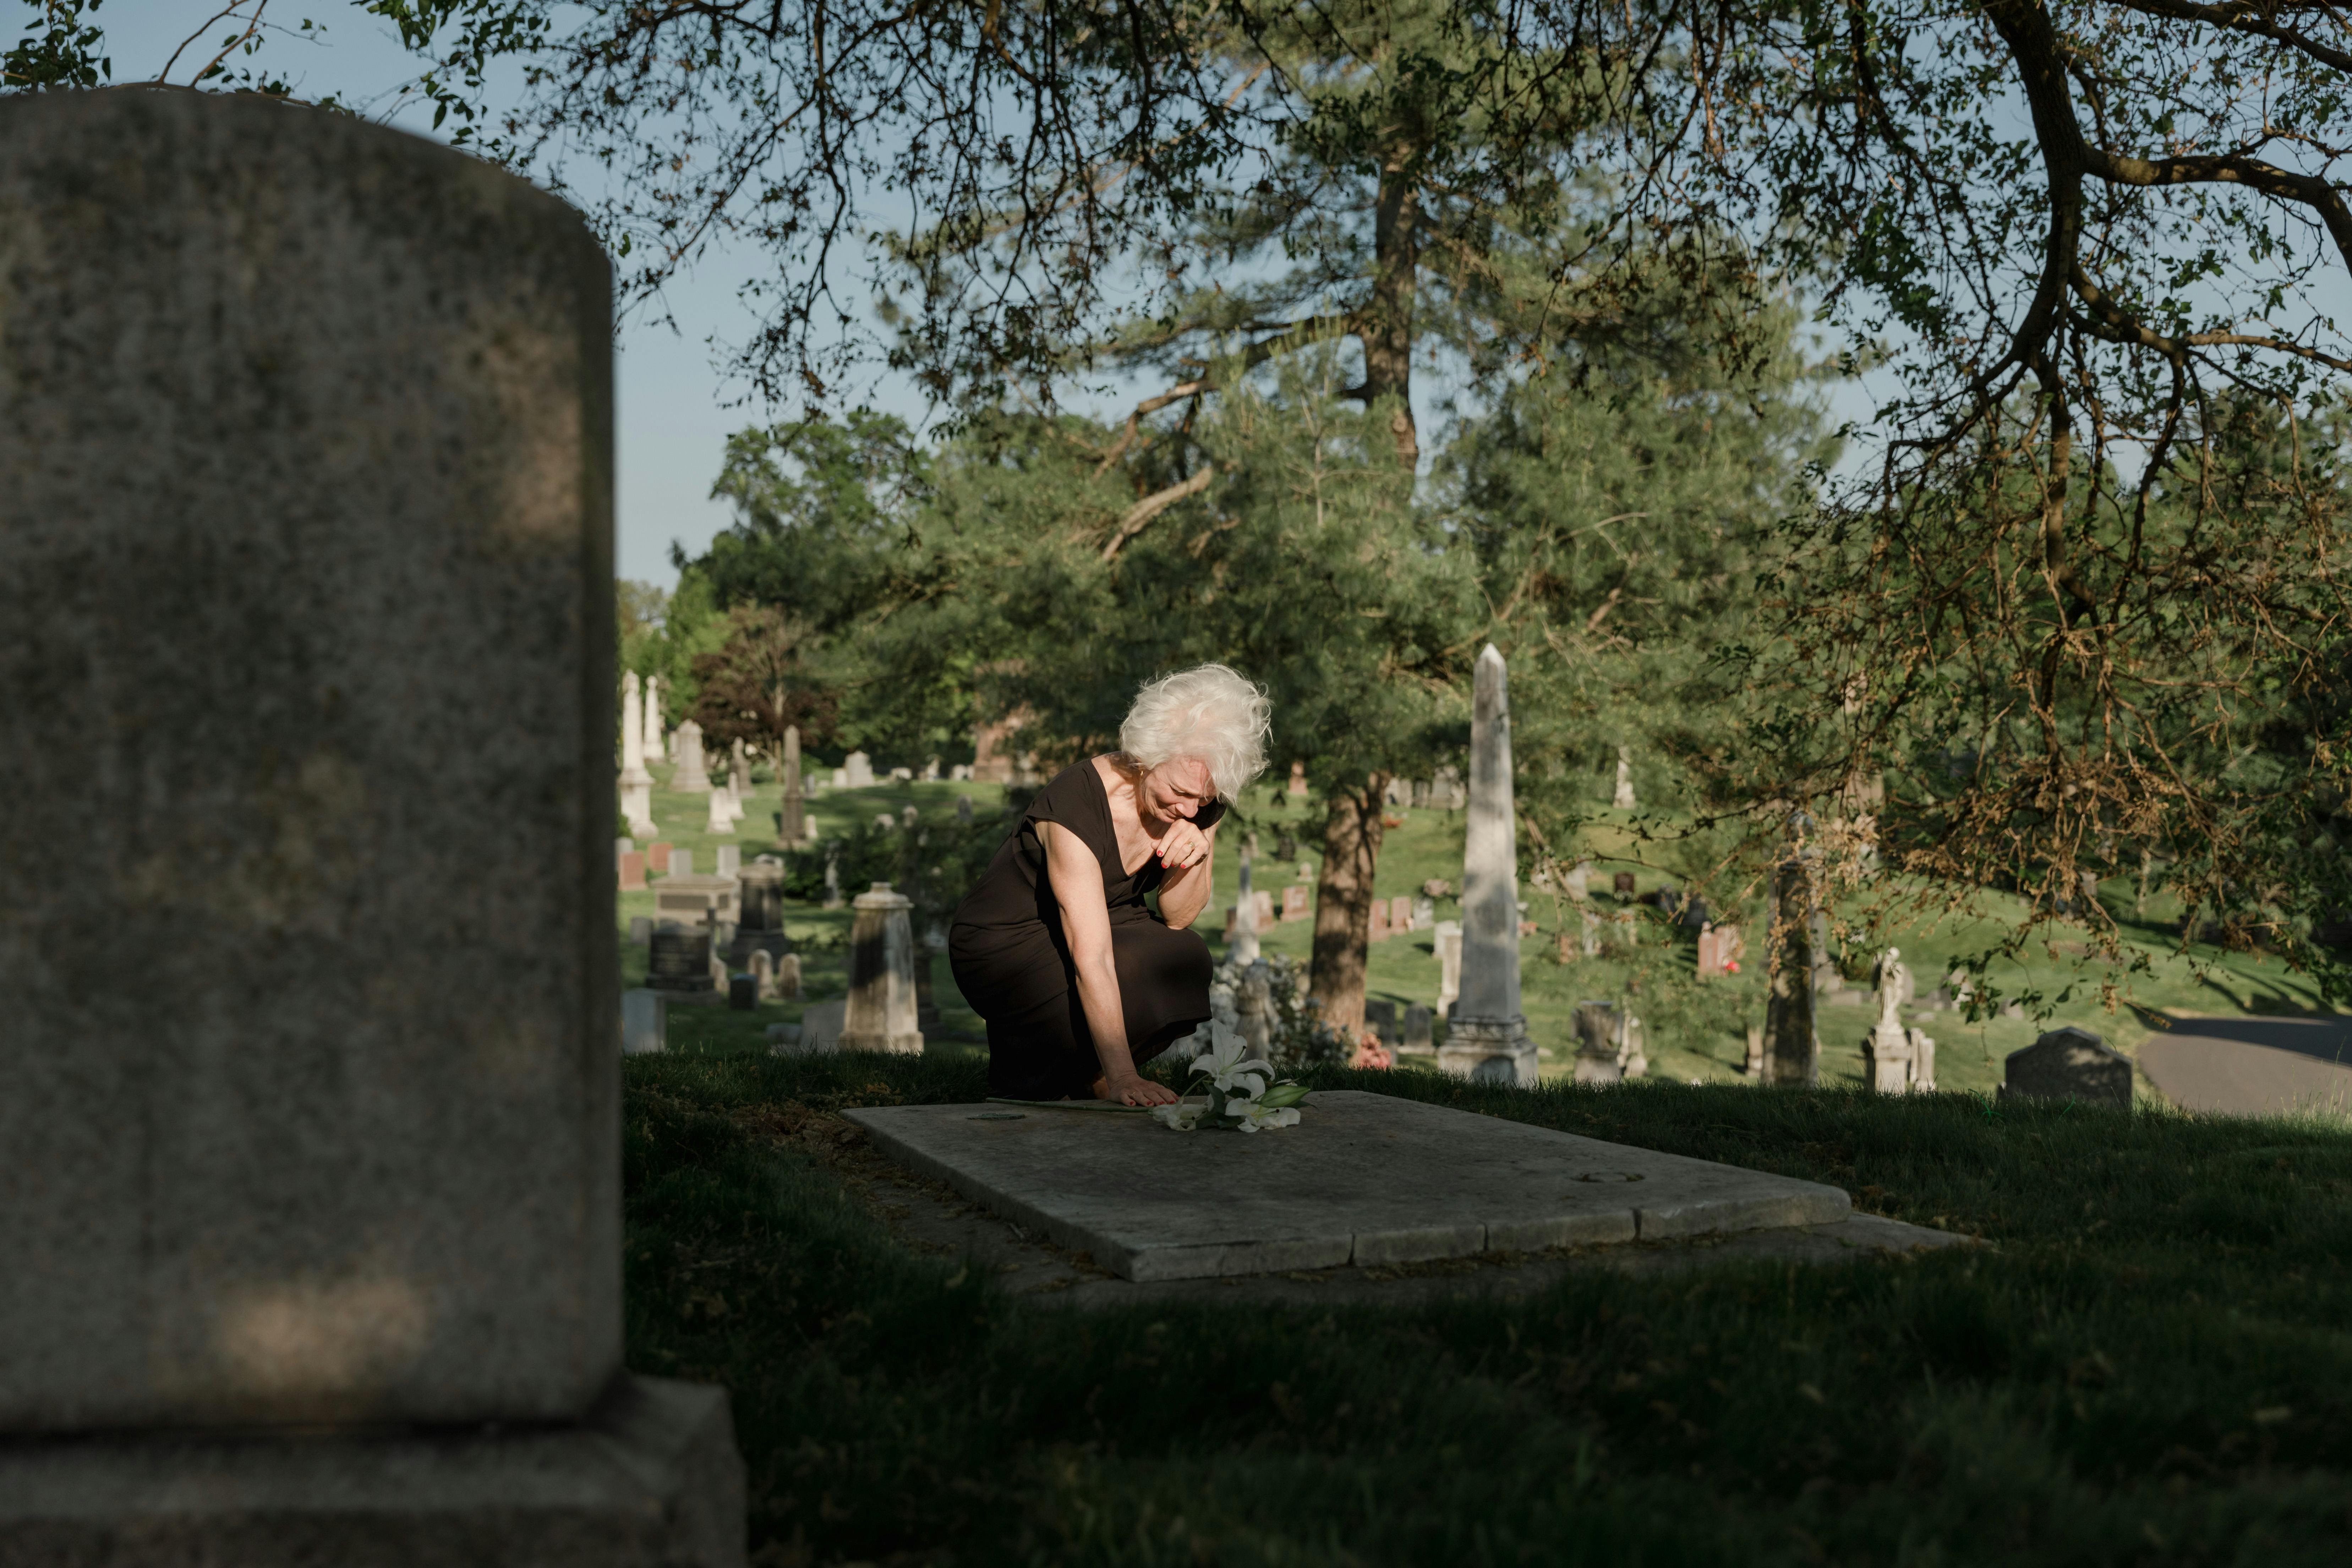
[(1486, 1031), (693, 775), (636, 783), (655, 751), (881, 1012)]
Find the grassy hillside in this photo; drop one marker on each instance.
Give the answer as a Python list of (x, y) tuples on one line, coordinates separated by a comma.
[(1694, 1030)]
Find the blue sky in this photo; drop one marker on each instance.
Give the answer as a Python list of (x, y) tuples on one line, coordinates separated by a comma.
[(673, 399)]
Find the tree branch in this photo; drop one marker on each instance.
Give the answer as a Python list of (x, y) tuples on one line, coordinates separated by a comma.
[(1139, 516), (2248, 16), (2230, 170)]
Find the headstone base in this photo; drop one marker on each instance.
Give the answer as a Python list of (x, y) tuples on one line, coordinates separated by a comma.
[(906, 1044), (774, 943), (651, 1479), (1599, 1067), (1488, 1050), (709, 997)]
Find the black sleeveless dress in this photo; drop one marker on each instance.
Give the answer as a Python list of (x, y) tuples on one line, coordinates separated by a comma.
[(1012, 959)]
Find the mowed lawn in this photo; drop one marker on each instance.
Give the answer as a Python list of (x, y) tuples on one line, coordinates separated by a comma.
[(2148, 1363)]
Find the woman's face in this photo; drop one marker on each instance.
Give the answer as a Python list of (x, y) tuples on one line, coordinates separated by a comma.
[(1176, 790)]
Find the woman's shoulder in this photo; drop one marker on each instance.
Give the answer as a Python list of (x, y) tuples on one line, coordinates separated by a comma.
[(1074, 797)]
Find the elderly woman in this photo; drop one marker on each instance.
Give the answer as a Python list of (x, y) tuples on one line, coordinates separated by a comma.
[(1079, 979)]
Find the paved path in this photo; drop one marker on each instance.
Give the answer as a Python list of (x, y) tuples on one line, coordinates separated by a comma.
[(2252, 1067)]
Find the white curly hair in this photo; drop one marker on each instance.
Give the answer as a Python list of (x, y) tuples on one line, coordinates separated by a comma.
[(1209, 712)]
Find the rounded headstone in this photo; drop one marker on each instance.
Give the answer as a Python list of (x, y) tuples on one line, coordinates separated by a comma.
[(307, 578)]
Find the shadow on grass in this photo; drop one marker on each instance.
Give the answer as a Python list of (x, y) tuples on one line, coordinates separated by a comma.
[(2151, 1366)]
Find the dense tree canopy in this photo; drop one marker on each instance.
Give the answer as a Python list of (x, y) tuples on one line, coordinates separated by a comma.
[(2086, 247)]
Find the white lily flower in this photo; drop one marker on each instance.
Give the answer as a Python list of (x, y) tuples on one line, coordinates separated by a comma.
[(1255, 1117), (1229, 1065), (1183, 1116)]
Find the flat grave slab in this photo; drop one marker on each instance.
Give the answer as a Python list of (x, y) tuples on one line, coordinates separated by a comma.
[(1366, 1179)]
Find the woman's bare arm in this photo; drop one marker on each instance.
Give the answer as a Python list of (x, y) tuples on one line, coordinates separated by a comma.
[(1185, 893), (1077, 878)]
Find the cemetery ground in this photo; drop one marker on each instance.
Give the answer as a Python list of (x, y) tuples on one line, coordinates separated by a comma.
[(1694, 1029), (2144, 1361)]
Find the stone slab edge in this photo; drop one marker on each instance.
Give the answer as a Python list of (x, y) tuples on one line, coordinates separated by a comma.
[(651, 1481), (1801, 1203), (1059, 1232)]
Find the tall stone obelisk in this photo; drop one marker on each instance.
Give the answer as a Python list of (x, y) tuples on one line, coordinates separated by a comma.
[(1485, 1033), (636, 783), (794, 826), (654, 751), (1243, 947)]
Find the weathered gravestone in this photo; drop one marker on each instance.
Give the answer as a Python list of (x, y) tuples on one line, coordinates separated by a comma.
[(1294, 902), (655, 751), (693, 775), (1241, 919), (859, 773), (635, 784), (791, 823), (313, 1218), (760, 913), (1418, 1031), (821, 1027), (881, 1005), (1380, 921), (729, 858), (1597, 1042), (1487, 1033), (964, 811), (2069, 1063), (1380, 1018), (633, 873), (1449, 966), (681, 863), (645, 1022), (1401, 913), (702, 903), (1621, 884)]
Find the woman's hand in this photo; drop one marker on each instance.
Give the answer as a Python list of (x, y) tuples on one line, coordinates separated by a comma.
[(1184, 847), (1133, 1089)]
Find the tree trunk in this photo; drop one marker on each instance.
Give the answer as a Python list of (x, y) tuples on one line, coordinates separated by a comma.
[(1792, 1043), (1343, 903), (1387, 333)]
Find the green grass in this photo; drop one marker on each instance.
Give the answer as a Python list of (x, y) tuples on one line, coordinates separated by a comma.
[(2151, 1366)]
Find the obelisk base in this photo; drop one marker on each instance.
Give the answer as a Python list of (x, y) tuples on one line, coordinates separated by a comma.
[(1488, 1050), (650, 1480)]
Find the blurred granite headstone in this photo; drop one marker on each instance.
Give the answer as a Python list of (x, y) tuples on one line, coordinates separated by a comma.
[(313, 1227), (2069, 1063)]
